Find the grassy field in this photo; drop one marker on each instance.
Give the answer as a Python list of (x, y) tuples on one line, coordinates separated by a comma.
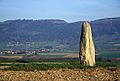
[(57, 70), (31, 65)]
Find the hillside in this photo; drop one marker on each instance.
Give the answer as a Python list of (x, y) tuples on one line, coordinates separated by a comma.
[(57, 34)]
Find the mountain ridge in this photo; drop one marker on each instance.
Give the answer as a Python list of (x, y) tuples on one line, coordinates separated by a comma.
[(57, 30)]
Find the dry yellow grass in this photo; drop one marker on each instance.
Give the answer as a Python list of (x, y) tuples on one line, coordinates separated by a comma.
[(71, 55), (12, 57)]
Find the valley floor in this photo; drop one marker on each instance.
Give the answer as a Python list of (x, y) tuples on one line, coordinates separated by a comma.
[(91, 74)]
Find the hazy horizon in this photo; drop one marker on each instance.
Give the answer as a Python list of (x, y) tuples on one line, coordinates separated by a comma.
[(62, 19), (70, 11)]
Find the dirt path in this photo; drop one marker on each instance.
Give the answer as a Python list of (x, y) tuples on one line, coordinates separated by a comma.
[(97, 74)]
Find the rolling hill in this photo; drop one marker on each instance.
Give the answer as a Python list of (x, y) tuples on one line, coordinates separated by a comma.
[(58, 34)]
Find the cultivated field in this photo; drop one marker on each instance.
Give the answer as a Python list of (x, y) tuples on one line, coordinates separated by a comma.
[(93, 74), (59, 70), (56, 67)]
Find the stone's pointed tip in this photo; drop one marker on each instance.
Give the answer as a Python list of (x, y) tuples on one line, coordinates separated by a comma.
[(86, 22)]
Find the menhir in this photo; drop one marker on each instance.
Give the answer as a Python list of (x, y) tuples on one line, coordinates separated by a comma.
[(87, 49)]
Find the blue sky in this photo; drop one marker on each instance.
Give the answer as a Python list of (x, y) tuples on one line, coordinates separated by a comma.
[(69, 10)]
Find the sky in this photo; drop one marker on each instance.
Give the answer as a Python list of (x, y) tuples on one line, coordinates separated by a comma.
[(68, 10)]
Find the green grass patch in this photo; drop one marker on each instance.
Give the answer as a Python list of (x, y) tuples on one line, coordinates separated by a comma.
[(107, 64), (13, 61), (55, 65), (32, 67)]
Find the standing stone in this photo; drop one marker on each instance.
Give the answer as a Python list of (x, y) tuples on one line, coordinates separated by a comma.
[(87, 50)]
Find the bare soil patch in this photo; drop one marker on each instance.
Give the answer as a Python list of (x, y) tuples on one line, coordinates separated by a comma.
[(3, 67), (116, 44), (91, 74), (12, 57), (71, 56)]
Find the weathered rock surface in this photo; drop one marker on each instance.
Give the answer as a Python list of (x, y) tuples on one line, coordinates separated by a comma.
[(87, 50)]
